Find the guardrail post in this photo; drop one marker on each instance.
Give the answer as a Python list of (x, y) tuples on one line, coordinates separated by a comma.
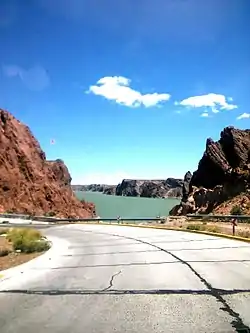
[(234, 223)]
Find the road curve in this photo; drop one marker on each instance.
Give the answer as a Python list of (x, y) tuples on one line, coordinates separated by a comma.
[(124, 279)]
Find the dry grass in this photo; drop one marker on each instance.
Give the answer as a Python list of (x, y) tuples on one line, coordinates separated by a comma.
[(242, 229)]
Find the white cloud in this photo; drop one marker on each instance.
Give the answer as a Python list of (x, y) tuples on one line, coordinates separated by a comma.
[(244, 116), (204, 114), (35, 78), (101, 178), (215, 102), (117, 88)]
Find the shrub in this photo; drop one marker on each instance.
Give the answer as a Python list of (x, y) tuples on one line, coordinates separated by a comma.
[(23, 233), (50, 214), (27, 240), (194, 227), (30, 246), (9, 211), (4, 252), (236, 210)]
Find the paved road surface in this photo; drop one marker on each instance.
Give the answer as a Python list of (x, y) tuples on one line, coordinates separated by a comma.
[(124, 279)]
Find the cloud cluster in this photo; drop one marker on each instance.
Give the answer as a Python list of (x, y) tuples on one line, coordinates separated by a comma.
[(117, 88), (35, 78), (243, 116), (214, 102)]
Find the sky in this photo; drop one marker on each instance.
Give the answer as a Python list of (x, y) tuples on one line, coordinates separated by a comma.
[(126, 88)]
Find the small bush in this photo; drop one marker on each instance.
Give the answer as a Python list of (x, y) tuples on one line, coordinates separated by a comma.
[(23, 233), (27, 240), (50, 214), (4, 252), (30, 246), (236, 210), (194, 227), (9, 211)]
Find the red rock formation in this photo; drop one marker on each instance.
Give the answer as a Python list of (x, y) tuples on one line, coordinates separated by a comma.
[(223, 173), (28, 183)]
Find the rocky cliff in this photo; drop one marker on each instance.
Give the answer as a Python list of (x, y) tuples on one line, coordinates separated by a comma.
[(170, 187), (28, 183), (223, 176)]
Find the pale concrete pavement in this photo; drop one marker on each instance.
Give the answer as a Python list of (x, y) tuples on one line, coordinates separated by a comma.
[(124, 279)]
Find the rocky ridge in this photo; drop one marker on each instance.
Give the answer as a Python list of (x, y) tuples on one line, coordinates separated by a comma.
[(30, 184), (223, 176), (170, 187)]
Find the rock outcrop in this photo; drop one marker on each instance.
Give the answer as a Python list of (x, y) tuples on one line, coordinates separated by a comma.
[(28, 183), (170, 187), (110, 190), (222, 178)]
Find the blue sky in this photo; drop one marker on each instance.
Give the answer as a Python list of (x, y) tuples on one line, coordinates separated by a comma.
[(126, 88)]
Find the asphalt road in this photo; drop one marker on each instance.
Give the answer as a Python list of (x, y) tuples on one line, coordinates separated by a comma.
[(123, 279)]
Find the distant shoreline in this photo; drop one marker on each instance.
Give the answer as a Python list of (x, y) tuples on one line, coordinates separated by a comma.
[(126, 196)]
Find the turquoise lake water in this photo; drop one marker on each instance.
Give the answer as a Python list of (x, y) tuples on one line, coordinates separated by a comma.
[(110, 206)]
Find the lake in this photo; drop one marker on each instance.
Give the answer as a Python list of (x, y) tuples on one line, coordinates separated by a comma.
[(110, 206)]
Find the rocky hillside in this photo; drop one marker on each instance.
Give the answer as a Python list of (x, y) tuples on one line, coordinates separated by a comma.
[(150, 188), (28, 183), (222, 179)]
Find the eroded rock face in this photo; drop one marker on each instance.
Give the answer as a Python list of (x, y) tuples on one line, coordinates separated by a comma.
[(223, 173), (170, 187), (28, 183)]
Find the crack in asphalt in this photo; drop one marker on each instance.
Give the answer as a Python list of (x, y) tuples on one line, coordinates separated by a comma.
[(107, 291), (111, 281), (237, 322)]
